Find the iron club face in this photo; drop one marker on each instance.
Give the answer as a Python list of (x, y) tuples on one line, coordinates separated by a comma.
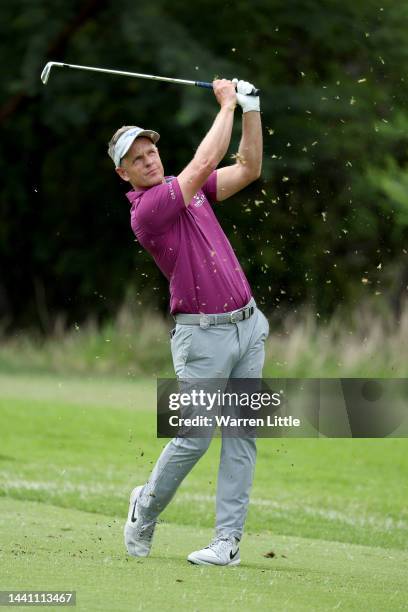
[(46, 71)]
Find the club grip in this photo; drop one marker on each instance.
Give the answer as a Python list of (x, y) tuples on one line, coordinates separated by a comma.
[(254, 92)]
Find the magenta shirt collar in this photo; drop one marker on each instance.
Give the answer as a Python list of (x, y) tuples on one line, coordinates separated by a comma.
[(133, 193)]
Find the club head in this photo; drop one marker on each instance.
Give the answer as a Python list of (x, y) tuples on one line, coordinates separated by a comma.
[(46, 72)]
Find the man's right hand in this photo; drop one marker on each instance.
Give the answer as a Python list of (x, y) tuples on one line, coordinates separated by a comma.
[(224, 91)]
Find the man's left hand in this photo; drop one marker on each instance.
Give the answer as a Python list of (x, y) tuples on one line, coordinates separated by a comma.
[(246, 102)]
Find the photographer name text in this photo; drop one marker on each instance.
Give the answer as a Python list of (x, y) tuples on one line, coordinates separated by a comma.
[(228, 421)]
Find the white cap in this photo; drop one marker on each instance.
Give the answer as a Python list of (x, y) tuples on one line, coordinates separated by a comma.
[(125, 141)]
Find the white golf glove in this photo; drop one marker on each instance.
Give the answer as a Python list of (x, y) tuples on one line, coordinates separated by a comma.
[(247, 103)]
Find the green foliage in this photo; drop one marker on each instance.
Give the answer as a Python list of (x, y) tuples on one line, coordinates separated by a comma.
[(392, 181), (329, 208)]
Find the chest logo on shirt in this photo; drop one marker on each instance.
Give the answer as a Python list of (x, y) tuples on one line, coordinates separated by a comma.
[(198, 199)]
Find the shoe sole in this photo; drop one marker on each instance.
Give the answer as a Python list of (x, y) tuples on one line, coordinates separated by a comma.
[(235, 562)]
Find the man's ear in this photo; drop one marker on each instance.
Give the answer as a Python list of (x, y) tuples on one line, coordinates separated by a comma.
[(122, 173)]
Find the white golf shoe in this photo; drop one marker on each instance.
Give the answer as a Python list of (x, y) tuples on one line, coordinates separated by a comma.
[(138, 535), (222, 550)]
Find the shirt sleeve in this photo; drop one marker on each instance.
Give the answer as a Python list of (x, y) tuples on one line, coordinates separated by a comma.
[(210, 188), (159, 208)]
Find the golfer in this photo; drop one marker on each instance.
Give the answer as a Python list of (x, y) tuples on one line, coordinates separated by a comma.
[(220, 332)]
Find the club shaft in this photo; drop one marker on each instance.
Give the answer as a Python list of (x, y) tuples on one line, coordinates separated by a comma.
[(138, 75), (129, 74)]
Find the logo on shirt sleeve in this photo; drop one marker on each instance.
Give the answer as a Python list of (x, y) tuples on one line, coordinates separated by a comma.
[(171, 190)]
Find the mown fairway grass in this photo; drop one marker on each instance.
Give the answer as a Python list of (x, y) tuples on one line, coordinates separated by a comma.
[(333, 512)]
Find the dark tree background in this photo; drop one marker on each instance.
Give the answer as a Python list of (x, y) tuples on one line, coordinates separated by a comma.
[(326, 224)]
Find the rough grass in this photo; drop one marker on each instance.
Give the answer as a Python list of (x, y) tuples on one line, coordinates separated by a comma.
[(366, 343)]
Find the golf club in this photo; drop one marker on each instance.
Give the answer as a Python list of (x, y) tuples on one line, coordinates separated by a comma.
[(45, 75)]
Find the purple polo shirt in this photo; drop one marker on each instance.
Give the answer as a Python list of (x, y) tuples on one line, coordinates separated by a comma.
[(190, 247)]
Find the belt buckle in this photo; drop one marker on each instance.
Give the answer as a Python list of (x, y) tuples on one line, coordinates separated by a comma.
[(232, 317), (204, 321)]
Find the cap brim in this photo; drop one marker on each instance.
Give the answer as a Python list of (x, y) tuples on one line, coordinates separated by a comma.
[(154, 136)]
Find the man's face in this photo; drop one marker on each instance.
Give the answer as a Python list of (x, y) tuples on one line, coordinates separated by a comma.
[(141, 165)]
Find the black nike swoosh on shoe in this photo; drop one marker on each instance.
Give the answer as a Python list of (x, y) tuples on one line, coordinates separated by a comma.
[(233, 555), (133, 518)]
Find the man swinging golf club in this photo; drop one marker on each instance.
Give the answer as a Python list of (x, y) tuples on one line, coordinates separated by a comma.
[(220, 333)]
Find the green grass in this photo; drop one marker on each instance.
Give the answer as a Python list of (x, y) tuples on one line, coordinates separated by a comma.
[(65, 549), (334, 512)]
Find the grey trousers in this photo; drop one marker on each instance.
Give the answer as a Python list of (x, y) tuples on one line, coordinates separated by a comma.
[(234, 350)]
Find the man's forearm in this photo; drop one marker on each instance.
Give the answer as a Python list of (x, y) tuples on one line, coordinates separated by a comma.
[(251, 146), (215, 144)]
